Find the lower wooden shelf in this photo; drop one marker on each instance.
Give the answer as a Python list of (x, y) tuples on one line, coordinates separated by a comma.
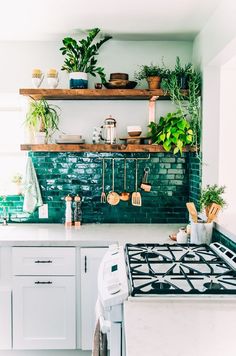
[(96, 148)]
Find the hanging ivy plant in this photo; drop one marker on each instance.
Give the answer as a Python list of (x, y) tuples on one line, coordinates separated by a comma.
[(173, 132)]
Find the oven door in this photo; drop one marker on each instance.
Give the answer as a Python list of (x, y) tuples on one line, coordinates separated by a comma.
[(112, 291)]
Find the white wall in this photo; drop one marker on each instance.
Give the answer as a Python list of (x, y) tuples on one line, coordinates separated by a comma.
[(219, 33), (19, 58), (212, 48), (227, 170)]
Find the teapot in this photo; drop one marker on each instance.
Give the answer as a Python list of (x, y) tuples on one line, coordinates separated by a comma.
[(108, 133)]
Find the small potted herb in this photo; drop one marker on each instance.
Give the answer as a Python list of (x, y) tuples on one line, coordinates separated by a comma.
[(43, 119), (81, 59), (173, 132), (212, 194), (152, 73), (182, 73)]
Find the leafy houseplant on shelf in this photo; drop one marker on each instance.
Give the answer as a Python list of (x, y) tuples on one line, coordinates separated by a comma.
[(189, 103), (43, 120), (81, 59), (173, 132), (212, 194), (182, 73), (152, 74)]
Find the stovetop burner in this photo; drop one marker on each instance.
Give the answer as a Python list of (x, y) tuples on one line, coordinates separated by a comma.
[(178, 269)]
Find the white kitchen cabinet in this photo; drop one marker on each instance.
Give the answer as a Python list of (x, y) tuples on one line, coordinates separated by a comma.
[(90, 260), (44, 315), (5, 318)]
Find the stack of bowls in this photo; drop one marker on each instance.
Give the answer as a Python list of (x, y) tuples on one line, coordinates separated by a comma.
[(119, 79)]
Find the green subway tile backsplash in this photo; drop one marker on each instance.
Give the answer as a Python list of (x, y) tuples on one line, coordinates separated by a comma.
[(175, 180)]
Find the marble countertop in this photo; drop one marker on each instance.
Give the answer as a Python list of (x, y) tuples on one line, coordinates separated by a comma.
[(85, 236)]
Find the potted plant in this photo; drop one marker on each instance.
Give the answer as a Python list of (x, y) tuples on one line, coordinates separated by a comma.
[(152, 73), (81, 59), (173, 132), (182, 73), (212, 194), (43, 119)]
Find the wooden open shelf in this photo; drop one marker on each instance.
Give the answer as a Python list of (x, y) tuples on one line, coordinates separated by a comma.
[(94, 94), (96, 148)]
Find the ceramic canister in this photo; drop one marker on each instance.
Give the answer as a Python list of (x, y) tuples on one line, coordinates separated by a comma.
[(78, 80), (182, 236)]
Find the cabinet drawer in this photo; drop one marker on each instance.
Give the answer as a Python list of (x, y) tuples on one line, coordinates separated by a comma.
[(43, 261)]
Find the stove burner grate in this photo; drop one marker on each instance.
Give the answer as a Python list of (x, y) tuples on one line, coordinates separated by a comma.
[(178, 269)]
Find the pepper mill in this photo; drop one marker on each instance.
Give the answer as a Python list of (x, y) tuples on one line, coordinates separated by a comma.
[(77, 211), (68, 214)]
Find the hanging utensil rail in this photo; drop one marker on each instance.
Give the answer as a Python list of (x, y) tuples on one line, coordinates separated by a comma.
[(126, 158)]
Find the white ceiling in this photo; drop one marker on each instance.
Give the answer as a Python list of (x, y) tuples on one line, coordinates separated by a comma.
[(123, 19)]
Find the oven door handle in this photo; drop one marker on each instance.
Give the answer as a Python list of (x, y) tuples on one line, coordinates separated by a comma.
[(105, 325)]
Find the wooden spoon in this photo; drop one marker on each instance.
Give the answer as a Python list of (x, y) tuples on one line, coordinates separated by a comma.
[(192, 211), (113, 198), (213, 212), (124, 195)]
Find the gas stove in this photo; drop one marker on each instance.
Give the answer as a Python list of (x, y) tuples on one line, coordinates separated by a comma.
[(180, 269)]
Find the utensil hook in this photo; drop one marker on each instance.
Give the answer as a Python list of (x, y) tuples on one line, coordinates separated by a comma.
[(125, 174)]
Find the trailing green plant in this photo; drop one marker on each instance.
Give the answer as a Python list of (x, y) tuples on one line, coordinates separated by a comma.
[(43, 117), (81, 56), (173, 132), (194, 105), (212, 194), (151, 70), (170, 85), (189, 103)]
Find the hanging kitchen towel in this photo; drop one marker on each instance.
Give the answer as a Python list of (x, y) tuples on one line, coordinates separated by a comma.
[(100, 338), (32, 194), (99, 342)]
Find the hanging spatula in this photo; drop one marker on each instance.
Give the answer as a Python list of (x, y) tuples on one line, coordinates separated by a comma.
[(136, 196), (192, 211), (213, 212)]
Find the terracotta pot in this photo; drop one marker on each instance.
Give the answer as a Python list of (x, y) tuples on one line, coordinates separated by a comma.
[(154, 82)]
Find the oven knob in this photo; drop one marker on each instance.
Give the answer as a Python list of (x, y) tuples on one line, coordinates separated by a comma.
[(113, 249), (114, 288)]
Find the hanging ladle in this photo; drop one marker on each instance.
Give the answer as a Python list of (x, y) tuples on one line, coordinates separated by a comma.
[(125, 196)]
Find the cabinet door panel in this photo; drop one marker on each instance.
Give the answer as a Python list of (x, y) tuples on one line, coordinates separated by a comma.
[(44, 313), (90, 260), (5, 318)]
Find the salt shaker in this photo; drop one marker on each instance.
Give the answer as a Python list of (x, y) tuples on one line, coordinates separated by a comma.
[(68, 213), (182, 236), (77, 211)]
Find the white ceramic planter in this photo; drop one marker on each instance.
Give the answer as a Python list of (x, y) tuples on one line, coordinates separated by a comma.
[(52, 82), (201, 233), (40, 138), (78, 80), (37, 81)]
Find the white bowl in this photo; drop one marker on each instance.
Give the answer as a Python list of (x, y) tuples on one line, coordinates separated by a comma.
[(134, 130)]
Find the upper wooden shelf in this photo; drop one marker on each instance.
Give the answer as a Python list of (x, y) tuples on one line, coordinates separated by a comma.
[(94, 94), (96, 148)]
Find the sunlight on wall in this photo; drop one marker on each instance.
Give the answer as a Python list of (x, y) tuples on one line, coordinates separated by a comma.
[(227, 168), (12, 160)]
